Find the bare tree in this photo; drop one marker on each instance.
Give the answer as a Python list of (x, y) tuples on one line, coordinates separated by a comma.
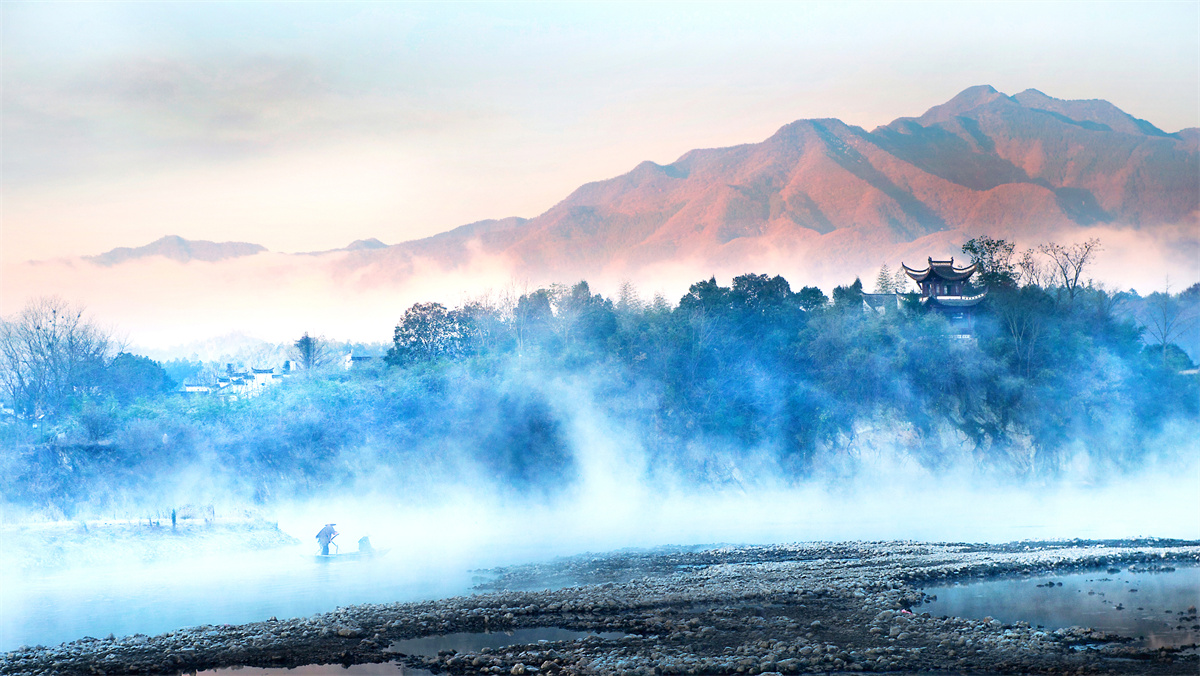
[(1032, 270), (1165, 318), (628, 299), (50, 354), (1069, 262), (311, 353), (1023, 313)]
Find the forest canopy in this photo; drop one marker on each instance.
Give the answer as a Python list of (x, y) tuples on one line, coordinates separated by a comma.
[(751, 382)]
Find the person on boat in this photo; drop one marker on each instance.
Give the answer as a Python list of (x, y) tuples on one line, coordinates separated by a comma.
[(364, 546), (326, 536)]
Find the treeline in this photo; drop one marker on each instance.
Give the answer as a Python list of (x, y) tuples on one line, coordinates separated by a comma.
[(746, 383)]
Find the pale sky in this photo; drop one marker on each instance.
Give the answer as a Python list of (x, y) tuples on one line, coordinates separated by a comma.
[(304, 126)]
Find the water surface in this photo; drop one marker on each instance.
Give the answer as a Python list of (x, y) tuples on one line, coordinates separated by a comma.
[(162, 596), (1150, 606)]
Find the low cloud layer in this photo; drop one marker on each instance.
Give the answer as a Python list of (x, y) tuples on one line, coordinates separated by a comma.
[(158, 303)]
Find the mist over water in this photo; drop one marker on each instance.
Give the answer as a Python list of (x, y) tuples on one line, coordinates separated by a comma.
[(567, 423), (163, 595), (435, 536)]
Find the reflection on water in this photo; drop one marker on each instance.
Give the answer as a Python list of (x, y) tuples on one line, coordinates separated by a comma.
[(167, 595), (474, 642), (1151, 605)]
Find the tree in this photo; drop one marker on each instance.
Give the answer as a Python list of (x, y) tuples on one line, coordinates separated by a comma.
[(426, 332), (849, 297), (531, 317), (479, 325), (762, 306), (994, 258), (761, 295), (1069, 262), (1024, 314), (706, 297), (310, 353), (628, 300), (885, 282), (130, 377), (704, 310), (51, 355), (1165, 318), (1032, 271), (582, 314), (811, 298)]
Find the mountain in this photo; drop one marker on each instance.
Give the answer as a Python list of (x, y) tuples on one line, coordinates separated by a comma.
[(370, 244), (178, 249), (819, 202), (823, 197), (364, 244), (1025, 166)]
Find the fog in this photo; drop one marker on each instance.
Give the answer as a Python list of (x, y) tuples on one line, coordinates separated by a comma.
[(558, 422), (435, 534), (165, 305)]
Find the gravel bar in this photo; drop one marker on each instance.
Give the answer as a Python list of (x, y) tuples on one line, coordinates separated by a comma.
[(780, 609)]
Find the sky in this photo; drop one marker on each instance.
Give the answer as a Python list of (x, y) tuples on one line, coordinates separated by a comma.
[(304, 126)]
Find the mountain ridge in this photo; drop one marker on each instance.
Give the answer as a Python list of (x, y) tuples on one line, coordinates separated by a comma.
[(179, 249), (1024, 166)]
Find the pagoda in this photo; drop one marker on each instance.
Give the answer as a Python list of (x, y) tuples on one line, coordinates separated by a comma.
[(944, 288)]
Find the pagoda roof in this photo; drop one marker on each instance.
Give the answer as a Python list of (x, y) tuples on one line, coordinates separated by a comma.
[(957, 301), (941, 269)]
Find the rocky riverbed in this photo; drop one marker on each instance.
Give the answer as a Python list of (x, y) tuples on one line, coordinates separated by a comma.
[(788, 609)]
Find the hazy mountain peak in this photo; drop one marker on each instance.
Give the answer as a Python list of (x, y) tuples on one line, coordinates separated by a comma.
[(179, 249), (966, 100), (1102, 115), (653, 169), (361, 244), (1012, 166)]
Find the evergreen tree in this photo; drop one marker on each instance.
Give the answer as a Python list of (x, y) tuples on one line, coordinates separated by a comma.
[(884, 283)]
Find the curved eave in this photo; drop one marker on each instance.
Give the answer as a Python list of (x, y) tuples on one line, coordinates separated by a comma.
[(942, 270), (958, 301), (916, 275)]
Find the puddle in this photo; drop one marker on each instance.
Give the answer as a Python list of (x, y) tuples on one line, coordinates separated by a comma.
[(473, 643), (384, 669), (1150, 606)]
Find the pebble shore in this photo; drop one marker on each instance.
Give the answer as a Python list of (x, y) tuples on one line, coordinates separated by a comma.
[(781, 609)]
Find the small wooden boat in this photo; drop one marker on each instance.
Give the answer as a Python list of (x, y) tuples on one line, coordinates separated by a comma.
[(353, 556)]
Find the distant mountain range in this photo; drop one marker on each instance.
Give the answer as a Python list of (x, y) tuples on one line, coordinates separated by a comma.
[(183, 250), (178, 249), (1026, 166)]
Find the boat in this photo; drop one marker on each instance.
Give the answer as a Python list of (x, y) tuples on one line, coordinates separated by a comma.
[(353, 556)]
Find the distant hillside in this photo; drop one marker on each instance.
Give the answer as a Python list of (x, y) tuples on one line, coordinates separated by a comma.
[(370, 244), (1016, 166), (824, 194), (178, 249)]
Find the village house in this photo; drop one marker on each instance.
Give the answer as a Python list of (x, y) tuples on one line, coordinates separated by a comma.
[(236, 384)]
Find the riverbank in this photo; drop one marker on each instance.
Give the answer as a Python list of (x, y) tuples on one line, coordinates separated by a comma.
[(55, 545), (804, 608)]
